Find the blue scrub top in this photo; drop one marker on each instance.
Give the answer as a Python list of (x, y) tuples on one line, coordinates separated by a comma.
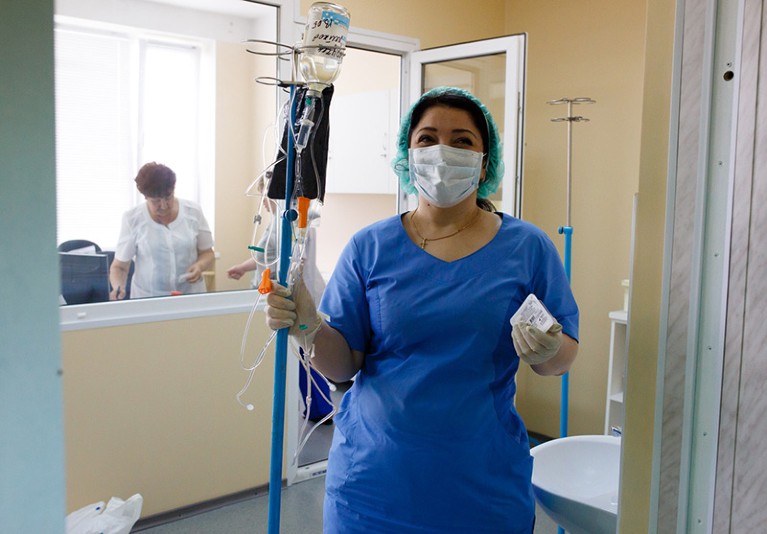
[(428, 439)]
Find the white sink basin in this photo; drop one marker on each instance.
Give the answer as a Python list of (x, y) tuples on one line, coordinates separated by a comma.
[(576, 479)]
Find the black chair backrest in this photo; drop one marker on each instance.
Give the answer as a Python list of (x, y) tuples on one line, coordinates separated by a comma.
[(74, 244)]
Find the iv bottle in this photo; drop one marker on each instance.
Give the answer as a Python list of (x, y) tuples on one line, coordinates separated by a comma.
[(324, 44)]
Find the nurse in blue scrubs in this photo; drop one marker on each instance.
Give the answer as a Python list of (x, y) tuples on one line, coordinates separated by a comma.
[(418, 311)]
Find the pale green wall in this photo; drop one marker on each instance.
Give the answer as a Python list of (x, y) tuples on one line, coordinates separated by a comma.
[(31, 437)]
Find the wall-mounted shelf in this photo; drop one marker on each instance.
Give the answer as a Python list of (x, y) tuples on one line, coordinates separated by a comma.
[(616, 372)]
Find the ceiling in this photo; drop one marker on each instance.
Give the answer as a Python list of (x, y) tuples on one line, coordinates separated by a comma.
[(240, 8)]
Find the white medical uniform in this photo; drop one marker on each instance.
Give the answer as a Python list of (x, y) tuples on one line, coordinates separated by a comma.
[(161, 252)]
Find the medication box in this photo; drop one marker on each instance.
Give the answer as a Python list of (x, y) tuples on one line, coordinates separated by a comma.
[(533, 312)]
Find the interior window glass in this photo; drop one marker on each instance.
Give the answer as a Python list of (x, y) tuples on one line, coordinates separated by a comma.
[(93, 134), (122, 99)]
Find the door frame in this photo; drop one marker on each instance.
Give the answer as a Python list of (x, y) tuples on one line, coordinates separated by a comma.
[(412, 59), (376, 42), (515, 48)]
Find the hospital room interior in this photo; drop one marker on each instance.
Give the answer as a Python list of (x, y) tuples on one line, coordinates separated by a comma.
[(606, 132)]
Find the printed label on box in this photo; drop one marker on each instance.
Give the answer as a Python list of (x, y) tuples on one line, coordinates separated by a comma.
[(533, 312)]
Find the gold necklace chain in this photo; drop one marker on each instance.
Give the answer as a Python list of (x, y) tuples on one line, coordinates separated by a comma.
[(425, 240)]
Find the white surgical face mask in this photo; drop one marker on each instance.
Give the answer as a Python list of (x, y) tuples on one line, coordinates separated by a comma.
[(444, 175)]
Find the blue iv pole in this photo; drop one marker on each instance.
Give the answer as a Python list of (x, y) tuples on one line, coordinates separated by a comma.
[(567, 231), (281, 348)]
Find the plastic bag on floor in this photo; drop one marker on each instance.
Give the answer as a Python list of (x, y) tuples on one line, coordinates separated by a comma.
[(117, 517)]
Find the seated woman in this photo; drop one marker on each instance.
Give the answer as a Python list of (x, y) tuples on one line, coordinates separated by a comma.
[(168, 238)]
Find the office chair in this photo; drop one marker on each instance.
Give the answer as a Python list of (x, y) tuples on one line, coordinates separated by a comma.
[(74, 244)]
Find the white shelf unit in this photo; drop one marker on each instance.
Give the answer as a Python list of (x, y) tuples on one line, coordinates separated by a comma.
[(616, 372)]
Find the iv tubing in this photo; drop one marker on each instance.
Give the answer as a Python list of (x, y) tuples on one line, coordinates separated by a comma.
[(305, 361), (281, 350)]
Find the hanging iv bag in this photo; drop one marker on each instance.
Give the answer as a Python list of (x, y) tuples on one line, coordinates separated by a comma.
[(324, 44)]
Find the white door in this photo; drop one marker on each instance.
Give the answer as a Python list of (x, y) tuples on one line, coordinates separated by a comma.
[(494, 71)]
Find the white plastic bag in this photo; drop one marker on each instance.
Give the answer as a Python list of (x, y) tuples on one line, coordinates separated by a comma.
[(118, 517)]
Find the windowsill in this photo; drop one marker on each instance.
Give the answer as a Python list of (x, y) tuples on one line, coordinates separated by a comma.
[(106, 314)]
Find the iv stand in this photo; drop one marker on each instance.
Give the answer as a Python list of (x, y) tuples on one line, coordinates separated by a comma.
[(567, 231), (286, 236), (289, 215), (281, 347)]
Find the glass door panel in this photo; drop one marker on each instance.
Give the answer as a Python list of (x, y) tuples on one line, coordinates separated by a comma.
[(492, 70)]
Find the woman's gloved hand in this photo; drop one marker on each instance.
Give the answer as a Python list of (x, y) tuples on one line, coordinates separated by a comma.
[(299, 313), (534, 346)]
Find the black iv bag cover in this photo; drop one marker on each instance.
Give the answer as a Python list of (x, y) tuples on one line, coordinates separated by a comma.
[(316, 149)]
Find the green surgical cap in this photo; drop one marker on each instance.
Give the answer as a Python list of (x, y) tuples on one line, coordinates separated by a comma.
[(494, 162)]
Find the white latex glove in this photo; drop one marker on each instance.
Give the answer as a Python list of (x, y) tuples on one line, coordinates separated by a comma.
[(299, 313), (534, 346)]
